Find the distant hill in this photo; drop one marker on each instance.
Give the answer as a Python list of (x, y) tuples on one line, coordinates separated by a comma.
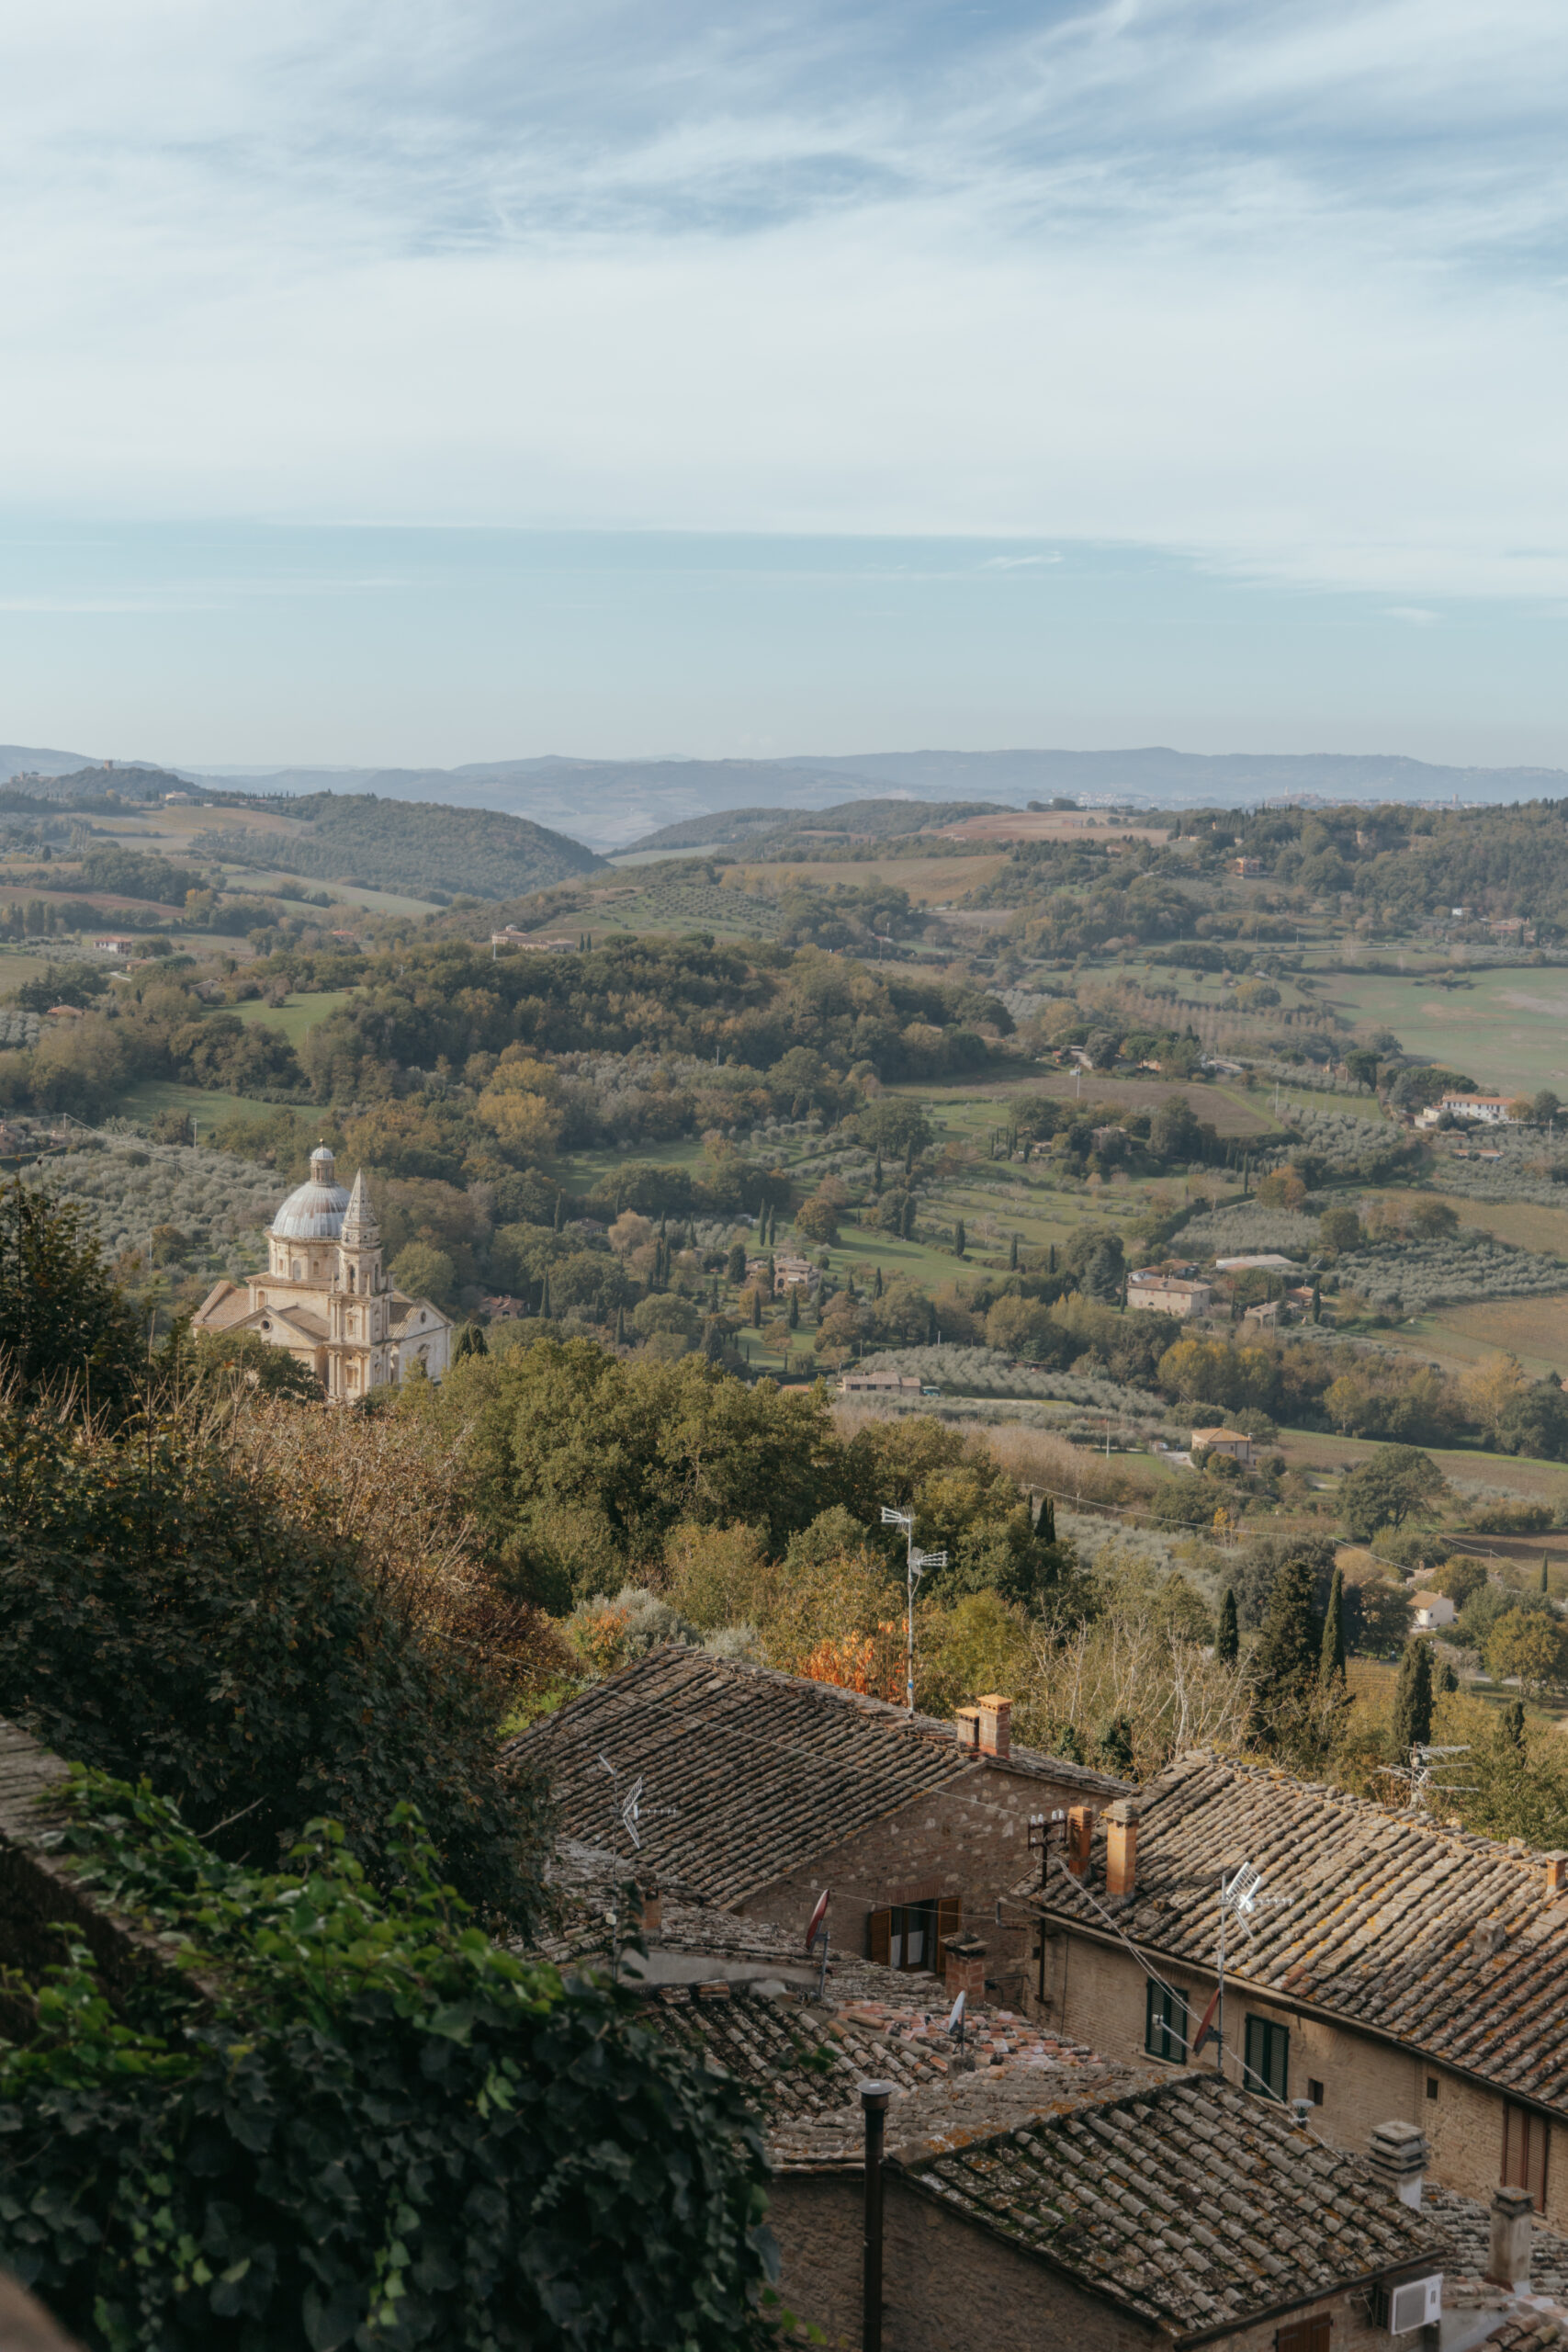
[(406, 846), (785, 831), (25, 759), (85, 783), (1162, 777)]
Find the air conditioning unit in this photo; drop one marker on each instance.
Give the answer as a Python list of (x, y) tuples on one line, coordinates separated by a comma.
[(1414, 2303)]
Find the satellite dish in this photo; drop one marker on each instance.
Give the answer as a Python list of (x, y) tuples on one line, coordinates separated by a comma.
[(956, 2014), (818, 1915)]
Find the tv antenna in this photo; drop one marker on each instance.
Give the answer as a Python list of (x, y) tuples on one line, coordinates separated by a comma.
[(1241, 1897), (626, 1813), (1420, 1774), (917, 1563), (816, 1933)]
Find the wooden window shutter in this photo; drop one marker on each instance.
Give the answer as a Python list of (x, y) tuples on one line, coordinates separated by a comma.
[(1306, 2336), (949, 1920), (879, 1936)]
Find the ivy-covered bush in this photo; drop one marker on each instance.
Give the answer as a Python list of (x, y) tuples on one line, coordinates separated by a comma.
[(162, 1611), (363, 2124)]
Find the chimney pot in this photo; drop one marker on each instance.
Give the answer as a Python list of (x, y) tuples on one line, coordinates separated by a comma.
[(1080, 1837), (1122, 1847), (1398, 2153), (1509, 2261), (967, 1721), (964, 1966), (1556, 1873), (995, 1724)]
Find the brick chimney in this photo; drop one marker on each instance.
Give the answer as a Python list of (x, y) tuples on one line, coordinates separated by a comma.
[(650, 1905), (1398, 2153), (995, 1724), (1080, 1837), (964, 1966), (1122, 1847), (966, 1722), (1556, 1873), (1508, 2260)]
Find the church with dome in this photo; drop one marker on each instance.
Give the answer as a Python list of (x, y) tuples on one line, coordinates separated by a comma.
[(326, 1297)]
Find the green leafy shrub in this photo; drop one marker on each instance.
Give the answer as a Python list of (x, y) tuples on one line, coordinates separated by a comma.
[(366, 2124), (162, 1612)]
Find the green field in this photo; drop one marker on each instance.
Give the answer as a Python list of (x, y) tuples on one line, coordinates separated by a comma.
[(297, 1015), (150, 1095), (1508, 1032)]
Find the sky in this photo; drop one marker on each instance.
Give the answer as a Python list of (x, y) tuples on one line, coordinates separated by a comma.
[(392, 384)]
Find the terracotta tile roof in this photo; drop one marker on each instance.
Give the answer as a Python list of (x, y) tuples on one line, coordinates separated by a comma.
[(1443, 1941), (1192, 2203), (747, 1773), (806, 2064)]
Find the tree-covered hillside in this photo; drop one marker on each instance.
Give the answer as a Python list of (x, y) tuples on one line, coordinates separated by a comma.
[(408, 845)]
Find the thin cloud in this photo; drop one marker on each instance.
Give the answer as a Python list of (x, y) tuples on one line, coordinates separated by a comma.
[(1271, 282)]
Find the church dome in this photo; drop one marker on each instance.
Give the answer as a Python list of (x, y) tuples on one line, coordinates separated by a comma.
[(315, 1212)]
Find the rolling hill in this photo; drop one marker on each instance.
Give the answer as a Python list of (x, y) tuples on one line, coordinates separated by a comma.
[(402, 845)]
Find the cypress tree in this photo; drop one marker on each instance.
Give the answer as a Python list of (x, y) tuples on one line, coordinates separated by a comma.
[(1545, 1577), (762, 1225), (1511, 1734), (1284, 1664), (876, 1285), (1227, 1641), (876, 1179), (1053, 1257), (620, 1326), (908, 1220), (773, 1277), (1331, 1663), (959, 1239), (1012, 1255), (1045, 1524), (1447, 1680), (910, 1160), (795, 1306), (1413, 1699), (756, 1310), (544, 1293)]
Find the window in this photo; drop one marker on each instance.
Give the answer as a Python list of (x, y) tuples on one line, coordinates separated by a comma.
[(1306, 2335), (1315, 2092), (1524, 2152), (1165, 2024), (909, 1934), (1267, 2058), (1431, 2087)]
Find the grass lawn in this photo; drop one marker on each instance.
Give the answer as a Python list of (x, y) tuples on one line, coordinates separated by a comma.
[(927, 879), (1505, 1473), (586, 1167), (150, 1095), (1524, 1222), (297, 1015), (1534, 1329), (1509, 1031)]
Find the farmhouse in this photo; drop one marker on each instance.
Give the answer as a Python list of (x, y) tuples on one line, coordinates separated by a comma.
[(1232, 1443), (1168, 1294), (857, 1384), (1490, 1110), (1399, 1967), (325, 1297), (760, 1790)]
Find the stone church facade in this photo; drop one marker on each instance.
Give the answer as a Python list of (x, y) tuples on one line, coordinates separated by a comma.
[(325, 1297)]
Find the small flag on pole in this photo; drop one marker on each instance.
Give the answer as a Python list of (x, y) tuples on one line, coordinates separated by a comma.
[(1201, 2036), (817, 1917)]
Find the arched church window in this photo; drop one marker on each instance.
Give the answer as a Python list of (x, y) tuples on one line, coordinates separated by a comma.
[(351, 1281)]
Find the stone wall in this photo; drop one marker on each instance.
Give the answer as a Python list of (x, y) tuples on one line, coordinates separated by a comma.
[(42, 1906), (1097, 1994), (968, 1839), (950, 2286)]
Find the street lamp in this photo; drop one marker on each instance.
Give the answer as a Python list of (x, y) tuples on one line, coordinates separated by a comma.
[(916, 1564)]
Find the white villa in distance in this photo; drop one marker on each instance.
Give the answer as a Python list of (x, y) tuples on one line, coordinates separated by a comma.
[(326, 1297)]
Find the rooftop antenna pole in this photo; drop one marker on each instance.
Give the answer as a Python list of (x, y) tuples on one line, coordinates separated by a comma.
[(916, 1564)]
